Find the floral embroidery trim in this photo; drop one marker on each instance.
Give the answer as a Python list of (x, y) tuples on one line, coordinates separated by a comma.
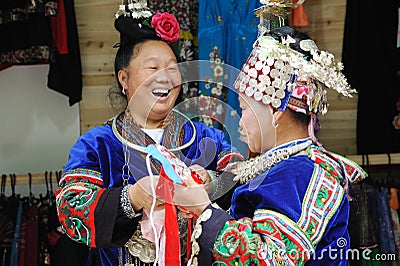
[(225, 157), (237, 244), (285, 225), (82, 172), (31, 55), (321, 201), (337, 165), (76, 200)]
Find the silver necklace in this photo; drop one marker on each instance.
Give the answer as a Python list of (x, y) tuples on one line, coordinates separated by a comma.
[(142, 149), (247, 170)]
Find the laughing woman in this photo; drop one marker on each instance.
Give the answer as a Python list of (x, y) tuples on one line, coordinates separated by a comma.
[(100, 199)]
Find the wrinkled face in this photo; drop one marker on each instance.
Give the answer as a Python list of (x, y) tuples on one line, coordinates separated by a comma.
[(152, 80), (256, 125)]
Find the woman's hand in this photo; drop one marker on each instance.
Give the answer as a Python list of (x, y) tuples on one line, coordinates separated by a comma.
[(202, 172), (191, 198), (140, 194), (205, 176)]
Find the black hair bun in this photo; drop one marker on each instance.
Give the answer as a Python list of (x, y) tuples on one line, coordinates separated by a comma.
[(278, 33), (283, 32), (134, 30)]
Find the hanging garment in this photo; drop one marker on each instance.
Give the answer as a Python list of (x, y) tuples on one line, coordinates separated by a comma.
[(381, 216), (25, 32), (22, 244), (32, 223), (43, 32), (227, 31), (360, 223), (394, 207), (361, 230), (17, 237), (7, 226), (396, 230), (67, 252), (65, 73), (299, 17), (371, 61)]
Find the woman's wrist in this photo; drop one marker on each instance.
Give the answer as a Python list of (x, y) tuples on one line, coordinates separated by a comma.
[(133, 202), (126, 205)]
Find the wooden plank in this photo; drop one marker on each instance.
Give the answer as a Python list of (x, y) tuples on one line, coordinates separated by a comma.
[(96, 17), (99, 80), (93, 3), (100, 64), (326, 24), (95, 107)]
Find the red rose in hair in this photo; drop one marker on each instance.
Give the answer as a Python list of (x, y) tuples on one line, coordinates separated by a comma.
[(166, 26)]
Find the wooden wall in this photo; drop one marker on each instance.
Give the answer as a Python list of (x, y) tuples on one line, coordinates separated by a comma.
[(97, 36), (326, 25)]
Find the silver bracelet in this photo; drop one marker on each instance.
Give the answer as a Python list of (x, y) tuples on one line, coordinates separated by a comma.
[(126, 204), (214, 181)]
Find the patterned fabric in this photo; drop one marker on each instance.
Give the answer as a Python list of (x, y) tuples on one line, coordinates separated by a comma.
[(324, 196), (295, 214), (21, 10), (282, 235), (382, 219), (88, 197), (26, 16), (81, 189), (31, 55), (238, 243), (227, 30)]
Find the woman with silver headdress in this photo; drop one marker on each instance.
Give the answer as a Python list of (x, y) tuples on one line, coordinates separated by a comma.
[(101, 200), (293, 206)]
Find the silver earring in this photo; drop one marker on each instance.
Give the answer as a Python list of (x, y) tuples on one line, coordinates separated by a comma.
[(124, 91), (274, 124)]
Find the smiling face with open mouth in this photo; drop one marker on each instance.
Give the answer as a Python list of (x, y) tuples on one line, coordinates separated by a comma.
[(152, 82)]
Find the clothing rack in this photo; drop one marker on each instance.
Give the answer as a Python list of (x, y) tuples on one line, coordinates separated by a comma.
[(376, 159), (36, 178), (383, 169)]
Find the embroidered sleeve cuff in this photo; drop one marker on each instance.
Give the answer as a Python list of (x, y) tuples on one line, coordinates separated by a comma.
[(205, 232)]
